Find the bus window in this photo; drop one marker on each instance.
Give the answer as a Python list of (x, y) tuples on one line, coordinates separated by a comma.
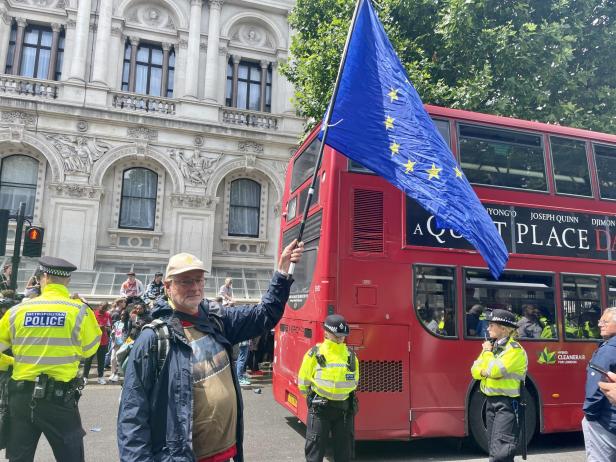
[(292, 208), (435, 299), (570, 165), (605, 158), (611, 291), (304, 270), (530, 296), (303, 167), (303, 195), (581, 306), (497, 157)]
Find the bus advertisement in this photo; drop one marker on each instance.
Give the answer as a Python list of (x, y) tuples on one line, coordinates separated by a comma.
[(416, 296)]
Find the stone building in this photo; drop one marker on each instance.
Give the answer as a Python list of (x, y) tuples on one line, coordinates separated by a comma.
[(137, 129)]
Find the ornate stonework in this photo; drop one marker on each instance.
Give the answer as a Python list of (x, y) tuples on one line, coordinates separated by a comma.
[(197, 168), (199, 140), (78, 152), (142, 133), (253, 35), (151, 16), (82, 126), (76, 190), (18, 117), (249, 146), (190, 201)]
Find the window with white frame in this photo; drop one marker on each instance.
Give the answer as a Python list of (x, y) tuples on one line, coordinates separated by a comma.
[(138, 203), (18, 178), (244, 208)]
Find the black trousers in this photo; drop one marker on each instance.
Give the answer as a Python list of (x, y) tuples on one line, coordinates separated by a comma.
[(322, 421), (100, 362), (503, 427), (59, 421)]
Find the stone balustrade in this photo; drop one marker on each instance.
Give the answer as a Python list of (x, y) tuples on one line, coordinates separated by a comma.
[(254, 119), (24, 86), (142, 103)]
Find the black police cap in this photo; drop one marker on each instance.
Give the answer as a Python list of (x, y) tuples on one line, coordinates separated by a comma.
[(337, 325), (56, 266), (503, 317)]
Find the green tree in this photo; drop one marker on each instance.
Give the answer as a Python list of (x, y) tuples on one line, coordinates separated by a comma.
[(552, 61)]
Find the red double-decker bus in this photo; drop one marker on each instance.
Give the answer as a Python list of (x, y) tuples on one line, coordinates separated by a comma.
[(416, 296)]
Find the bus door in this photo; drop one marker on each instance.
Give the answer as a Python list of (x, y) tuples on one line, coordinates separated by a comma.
[(383, 390)]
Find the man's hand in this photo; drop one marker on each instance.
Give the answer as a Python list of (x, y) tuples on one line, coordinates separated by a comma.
[(291, 253), (609, 388)]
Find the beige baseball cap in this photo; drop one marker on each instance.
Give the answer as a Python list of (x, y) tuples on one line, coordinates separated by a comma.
[(183, 262)]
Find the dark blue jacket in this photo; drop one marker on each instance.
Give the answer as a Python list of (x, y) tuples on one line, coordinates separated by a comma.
[(596, 405), (155, 417)]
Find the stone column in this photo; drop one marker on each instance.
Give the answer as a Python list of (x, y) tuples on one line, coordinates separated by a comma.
[(134, 43), (80, 45), (53, 59), (5, 36), (103, 37), (213, 39), (264, 66), (69, 40), (236, 66), (181, 49), (116, 61), (19, 43), (194, 38), (165, 76)]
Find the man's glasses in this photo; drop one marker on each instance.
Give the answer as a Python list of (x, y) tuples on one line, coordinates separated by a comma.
[(189, 282)]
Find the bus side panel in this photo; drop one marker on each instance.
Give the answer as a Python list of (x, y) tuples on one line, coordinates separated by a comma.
[(293, 339), (384, 382)]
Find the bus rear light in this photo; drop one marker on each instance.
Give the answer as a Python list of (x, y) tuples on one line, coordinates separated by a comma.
[(555, 395)]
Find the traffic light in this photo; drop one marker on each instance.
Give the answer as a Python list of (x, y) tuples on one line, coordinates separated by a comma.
[(4, 230), (33, 241)]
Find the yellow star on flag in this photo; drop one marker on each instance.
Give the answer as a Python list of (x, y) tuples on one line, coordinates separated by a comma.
[(458, 172), (393, 95), (394, 148), (433, 172), (409, 166), (389, 122)]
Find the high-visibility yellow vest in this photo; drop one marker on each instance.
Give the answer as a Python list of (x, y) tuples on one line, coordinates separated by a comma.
[(334, 380), (49, 334), (506, 370), (591, 331), (6, 361)]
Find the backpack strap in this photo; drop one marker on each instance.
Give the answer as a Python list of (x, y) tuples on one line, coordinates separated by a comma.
[(162, 340)]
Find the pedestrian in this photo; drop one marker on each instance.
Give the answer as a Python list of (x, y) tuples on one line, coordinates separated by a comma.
[(501, 367), (118, 337), (155, 288), (226, 292), (48, 335), (5, 277), (132, 288), (198, 406), (328, 377), (104, 322), (241, 363), (599, 422)]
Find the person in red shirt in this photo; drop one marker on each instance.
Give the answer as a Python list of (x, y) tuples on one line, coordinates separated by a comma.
[(104, 322)]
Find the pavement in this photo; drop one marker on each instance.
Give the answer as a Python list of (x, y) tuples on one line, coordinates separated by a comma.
[(272, 435)]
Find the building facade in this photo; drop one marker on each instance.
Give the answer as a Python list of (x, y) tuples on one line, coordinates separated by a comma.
[(134, 130)]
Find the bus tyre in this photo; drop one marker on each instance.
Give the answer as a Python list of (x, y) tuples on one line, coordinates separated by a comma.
[(477, 419)]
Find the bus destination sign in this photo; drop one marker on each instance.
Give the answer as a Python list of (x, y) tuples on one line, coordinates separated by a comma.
[(525, 230)]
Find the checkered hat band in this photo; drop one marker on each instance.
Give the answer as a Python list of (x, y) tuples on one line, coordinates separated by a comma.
[(55, 271), (506, 321)]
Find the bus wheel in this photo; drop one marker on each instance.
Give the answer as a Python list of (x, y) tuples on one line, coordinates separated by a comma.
[(477, 418)]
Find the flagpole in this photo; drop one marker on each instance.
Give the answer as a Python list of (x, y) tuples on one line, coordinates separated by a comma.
[(328, 118)]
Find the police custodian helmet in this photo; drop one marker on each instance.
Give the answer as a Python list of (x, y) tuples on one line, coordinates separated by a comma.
[(503, 317), (337, 325)]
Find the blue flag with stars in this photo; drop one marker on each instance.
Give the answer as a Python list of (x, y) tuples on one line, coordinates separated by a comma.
[(379, 121)]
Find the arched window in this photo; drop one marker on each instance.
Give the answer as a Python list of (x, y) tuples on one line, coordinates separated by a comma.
[(138, 205), (244, 207), (18, 176)]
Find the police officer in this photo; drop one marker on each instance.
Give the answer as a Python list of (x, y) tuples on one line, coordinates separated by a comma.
[(501, 368), (328, 376), (48, 335)]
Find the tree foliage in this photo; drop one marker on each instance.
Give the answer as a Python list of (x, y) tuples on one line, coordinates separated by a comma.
[(548, 60)]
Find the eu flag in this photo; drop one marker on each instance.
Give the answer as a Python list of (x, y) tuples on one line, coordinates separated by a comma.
[(379, 121)]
